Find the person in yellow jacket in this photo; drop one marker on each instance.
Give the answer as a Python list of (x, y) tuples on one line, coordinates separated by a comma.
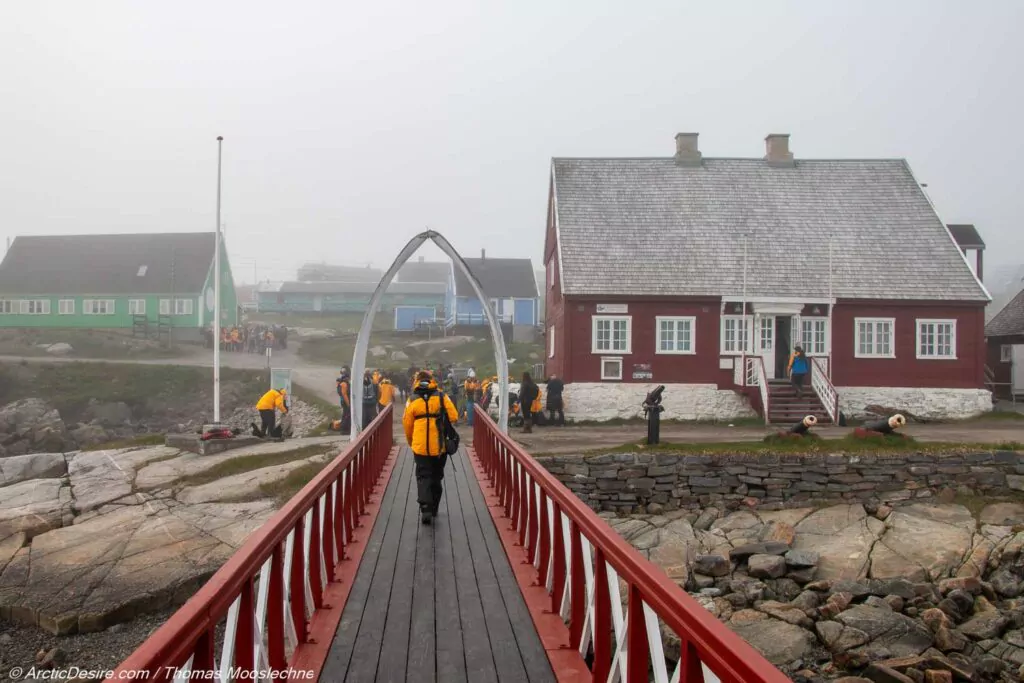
[(425, 436), (387, 393), (269, 403)]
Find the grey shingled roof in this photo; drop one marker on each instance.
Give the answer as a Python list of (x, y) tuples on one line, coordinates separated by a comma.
[(108, 264), (500, 278), (652, 227), (325, 272), (966, 235), (424, 271), (362, 287), (1010, 320)]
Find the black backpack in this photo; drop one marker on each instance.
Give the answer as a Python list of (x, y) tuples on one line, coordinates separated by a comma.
[(445, 428)]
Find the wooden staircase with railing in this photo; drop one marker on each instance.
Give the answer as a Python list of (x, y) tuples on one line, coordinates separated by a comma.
[(785, 407)]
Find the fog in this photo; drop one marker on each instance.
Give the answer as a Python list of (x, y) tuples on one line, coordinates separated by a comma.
[(349, 127)]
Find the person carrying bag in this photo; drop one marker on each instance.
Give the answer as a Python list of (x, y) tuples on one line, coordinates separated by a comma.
[(429, 430)]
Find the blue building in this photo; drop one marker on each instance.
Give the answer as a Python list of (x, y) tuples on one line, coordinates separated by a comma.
[(509, 285)]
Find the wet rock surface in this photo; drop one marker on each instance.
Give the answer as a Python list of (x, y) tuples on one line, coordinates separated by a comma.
[(856, 592)]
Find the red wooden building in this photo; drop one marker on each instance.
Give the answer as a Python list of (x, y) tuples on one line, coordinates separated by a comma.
[(703, 273), (1005, 337)]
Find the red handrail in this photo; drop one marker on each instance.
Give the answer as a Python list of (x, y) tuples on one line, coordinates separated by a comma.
[(577, 556), (295, 572)]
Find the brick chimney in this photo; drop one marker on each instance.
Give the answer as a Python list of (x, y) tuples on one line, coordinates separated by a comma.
[(776, 148), (687, 151)]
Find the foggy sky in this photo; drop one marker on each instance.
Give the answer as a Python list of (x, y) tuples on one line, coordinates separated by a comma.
[(349, 127)]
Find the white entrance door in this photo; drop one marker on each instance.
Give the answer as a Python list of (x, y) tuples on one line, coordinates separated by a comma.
[(1017, 376), (765, 343)]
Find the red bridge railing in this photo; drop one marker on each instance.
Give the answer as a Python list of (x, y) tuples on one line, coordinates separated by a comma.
[(614, 602), (274, 595)]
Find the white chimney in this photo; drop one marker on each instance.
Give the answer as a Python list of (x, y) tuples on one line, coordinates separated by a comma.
[(776, 148), (687, 151)]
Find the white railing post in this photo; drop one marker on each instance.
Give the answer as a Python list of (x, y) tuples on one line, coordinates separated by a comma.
[(824, 389)]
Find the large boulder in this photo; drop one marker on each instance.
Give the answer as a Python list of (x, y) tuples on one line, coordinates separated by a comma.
[(116, 414), (842, 536), (779, 642), (19, 468), (923, 542), (900, 635), (31, 426), (33, 507)]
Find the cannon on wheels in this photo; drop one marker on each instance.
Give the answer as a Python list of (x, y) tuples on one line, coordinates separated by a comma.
[(803, 427), (886, 427), (652, 411)]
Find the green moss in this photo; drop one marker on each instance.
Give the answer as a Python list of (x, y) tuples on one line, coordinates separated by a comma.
[(250, 463), (137, 442)]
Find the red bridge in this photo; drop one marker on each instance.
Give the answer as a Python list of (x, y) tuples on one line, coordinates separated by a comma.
[(517, 580)]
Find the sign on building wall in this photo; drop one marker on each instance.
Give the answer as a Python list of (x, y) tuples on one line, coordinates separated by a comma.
[(613, 308), (642, 371)]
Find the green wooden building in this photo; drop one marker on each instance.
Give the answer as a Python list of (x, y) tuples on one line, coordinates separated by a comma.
[(158, 281)]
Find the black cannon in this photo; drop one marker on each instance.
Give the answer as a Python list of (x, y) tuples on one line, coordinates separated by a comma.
[(886, 426), (652, 411), (803, 427)]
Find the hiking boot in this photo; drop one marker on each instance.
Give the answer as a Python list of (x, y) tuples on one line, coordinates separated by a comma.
[(426, 516)]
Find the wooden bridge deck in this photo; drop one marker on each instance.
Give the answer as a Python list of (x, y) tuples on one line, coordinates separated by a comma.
[(439, 602)]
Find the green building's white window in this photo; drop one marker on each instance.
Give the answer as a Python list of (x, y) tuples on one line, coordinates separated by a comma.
[(165, 306), (9, 307), (183, 307), (66, 307), (136, 307), (35, 307), (98, 306)]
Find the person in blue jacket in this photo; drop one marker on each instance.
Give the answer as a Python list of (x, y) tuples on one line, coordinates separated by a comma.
[(798, 369)]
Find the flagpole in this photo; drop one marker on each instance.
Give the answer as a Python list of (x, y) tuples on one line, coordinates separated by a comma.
[(831, 305), (747, 332), (216, 298)]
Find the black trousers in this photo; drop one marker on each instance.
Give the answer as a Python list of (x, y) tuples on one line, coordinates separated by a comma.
[(269, 418), (429, 474), (555, 406), (798, 382)]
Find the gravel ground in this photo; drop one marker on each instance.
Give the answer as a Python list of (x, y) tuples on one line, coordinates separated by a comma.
[(89, 653)]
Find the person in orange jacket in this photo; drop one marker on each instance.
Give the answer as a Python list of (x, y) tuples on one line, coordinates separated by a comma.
[(424, 432)]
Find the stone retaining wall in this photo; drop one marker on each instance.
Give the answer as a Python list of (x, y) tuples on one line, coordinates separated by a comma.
[(654, 482)]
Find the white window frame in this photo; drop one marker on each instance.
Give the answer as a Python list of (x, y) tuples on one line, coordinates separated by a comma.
[(66, 307), (551, 342), (611, 377), (748, 326), (35, 307), (165, 306), (89, 306), (921, 322), (1006, 353), (826, 341), (675, 320), (183, 307), (611, 319), (874, 322), (9, 306), (136, 307)]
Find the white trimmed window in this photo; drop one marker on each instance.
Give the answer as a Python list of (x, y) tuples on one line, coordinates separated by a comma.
[(183, 307), (675, 334), (936, 339), (66, 307), (165, 306), (136, 307), (874, 338), (814, 336), (735, 334), (551, 342), (1005, 352), (611, 368), (612, 334), (9, 307), (35, 307), (98, 306)]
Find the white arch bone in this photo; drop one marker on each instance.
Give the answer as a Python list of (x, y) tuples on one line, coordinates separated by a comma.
[(363, 340)]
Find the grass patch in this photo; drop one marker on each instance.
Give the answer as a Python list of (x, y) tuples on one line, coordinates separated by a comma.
[(88, 343), (146, 389), (285, 489), (341, 323), (136, 442), (846, 444), (249, 463)]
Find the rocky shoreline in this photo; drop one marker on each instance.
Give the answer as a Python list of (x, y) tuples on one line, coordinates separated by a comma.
[(921, 593)]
